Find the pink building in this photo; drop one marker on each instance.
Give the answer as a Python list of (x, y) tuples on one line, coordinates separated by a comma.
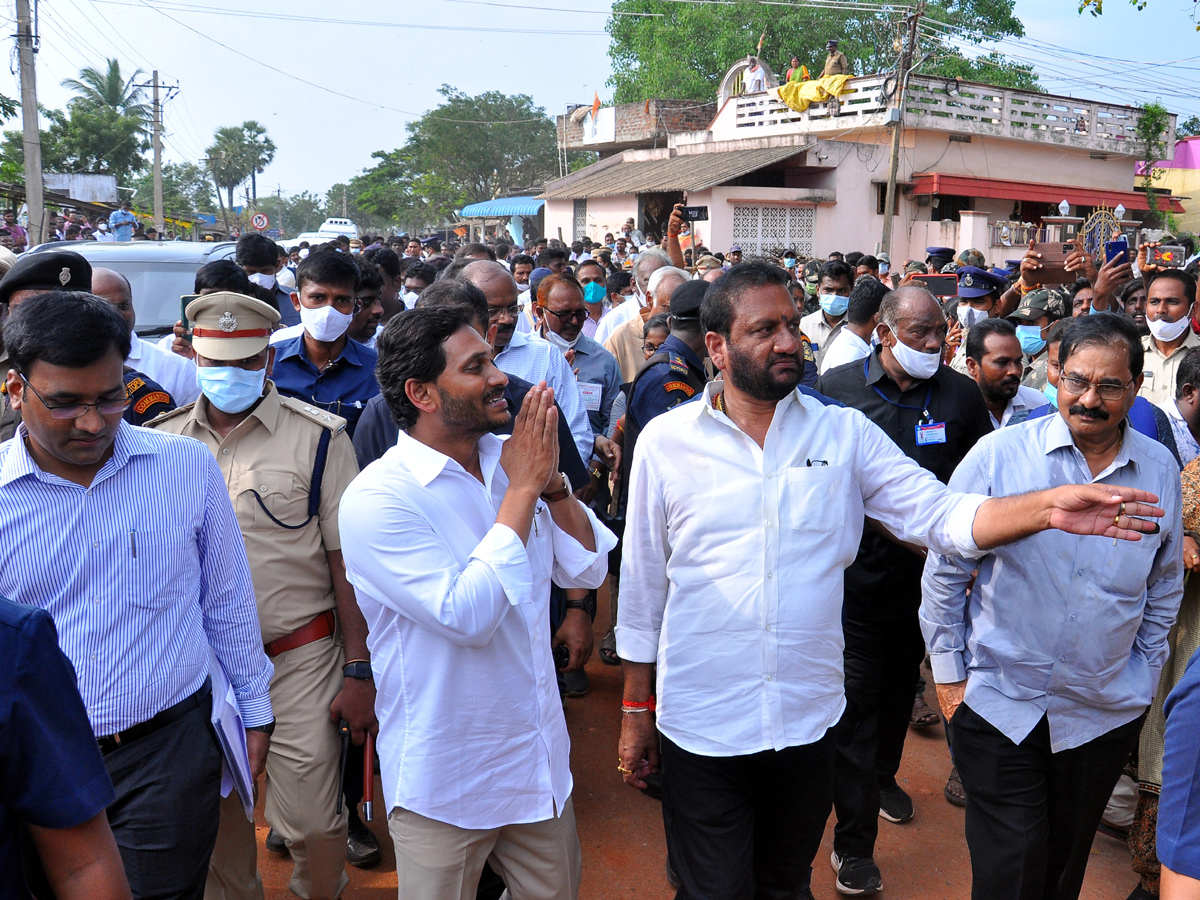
[(980, 166)]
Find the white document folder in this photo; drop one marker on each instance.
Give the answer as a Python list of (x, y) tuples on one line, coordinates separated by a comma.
[(231, 735)]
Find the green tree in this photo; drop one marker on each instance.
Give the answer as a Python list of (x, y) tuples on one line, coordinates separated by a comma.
[(82, 140), (1189, 127), (295, 214), (685, 49), (260, 150), (108, 89), (467, 150), (1096, 8), (1151, 135), (186, 189), (229, 162)]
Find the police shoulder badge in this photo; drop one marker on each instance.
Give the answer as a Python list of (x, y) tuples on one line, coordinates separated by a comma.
[(64, 277), (227, 322)]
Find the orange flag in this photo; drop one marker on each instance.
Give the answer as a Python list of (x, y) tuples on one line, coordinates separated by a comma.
[(595, 104)]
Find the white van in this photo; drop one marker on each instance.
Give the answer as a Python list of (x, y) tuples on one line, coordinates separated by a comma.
[(333, 227)]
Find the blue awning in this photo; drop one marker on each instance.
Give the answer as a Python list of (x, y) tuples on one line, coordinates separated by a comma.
[(503, 207)]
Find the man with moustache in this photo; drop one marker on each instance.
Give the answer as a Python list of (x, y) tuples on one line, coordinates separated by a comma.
[(1047, 659), (996, 362), (741, 503)]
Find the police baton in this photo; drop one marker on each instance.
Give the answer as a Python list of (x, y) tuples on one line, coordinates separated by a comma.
[(368, 776), (344, 732)]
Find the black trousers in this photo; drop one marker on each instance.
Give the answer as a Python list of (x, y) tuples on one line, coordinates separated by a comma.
[(882, 662), (166, 813), (1032, 814), (745, 827)]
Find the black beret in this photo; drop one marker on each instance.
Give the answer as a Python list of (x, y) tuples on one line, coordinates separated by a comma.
[(51, 270)]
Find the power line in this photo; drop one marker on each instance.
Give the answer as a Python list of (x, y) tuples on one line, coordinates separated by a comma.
[(525, 7)]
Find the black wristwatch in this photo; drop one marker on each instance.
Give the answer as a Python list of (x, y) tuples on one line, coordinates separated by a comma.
[(268, 729), (587, 604), (360, 670)]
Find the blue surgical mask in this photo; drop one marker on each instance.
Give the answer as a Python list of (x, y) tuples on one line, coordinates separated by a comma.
[(789, 263), (1031, 339), (230, 389), (593, 292), (834, 304), (1051, 393)]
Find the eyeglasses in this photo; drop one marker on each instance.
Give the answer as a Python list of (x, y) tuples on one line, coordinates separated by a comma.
[(567, 315), (650, 348), (495, 312), (1077, 387), (76, 410)]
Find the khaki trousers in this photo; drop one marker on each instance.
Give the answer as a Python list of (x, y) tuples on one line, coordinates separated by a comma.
[(436, 861), (302, 786)]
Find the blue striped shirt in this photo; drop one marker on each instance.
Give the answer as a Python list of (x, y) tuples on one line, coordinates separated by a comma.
[(141, 572)]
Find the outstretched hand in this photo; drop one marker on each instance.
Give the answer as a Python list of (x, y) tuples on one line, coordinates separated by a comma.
[(1107, 510)]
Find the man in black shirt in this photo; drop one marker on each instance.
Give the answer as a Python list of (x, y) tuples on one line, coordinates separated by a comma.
[(935, 415)]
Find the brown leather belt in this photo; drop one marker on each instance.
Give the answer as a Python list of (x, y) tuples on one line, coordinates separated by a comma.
[(320, 627)]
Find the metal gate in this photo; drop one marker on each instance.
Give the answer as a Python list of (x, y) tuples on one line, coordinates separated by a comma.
[(768, 230), (579, 232)]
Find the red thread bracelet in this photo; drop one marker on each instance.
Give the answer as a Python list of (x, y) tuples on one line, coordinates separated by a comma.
[(629, 704)]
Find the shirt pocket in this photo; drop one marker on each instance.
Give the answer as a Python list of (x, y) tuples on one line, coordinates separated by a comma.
[(159, 570), (817, 498), (265, 494)]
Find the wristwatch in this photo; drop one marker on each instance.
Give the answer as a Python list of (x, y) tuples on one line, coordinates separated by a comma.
[(587, 604), (268, 729), (360, 670), (562, 493)]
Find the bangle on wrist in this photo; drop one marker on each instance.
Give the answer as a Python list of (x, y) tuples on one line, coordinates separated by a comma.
[(633, 707)]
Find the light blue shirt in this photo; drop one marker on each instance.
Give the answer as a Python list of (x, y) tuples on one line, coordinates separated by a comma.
[(141, 572), (1069, 627), (122, 224)]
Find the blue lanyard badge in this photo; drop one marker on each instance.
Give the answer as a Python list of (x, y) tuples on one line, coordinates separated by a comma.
[(928, 431), (931, 433)]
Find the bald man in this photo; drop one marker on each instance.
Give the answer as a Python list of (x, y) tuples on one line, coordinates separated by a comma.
[(527, 356), (175, 373)]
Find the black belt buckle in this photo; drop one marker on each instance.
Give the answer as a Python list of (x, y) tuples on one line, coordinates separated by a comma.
[(112, 742)]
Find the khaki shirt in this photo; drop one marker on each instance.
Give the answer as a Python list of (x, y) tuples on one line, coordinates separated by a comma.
[(1159, 384), (819, 332), (270, 454), (835, 64)]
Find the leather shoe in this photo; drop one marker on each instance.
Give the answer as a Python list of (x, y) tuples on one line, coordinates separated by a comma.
[(275, 843), (362, 847)]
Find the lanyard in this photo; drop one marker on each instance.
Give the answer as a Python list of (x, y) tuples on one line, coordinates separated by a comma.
[(923, 410)]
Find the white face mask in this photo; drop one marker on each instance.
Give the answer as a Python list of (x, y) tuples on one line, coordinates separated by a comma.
[(1167, 331), (522, 288), (325, 323), (263, 280), (969, 315), (559, 341), (410, 299), (917, 364)]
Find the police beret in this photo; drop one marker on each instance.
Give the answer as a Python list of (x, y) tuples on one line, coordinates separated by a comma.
[(686, 299), (976, 282), (52, 270), (940, 252)]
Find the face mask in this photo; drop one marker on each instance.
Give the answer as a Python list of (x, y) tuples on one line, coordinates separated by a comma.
[(559, 341), (410, 299), (917, 364), (789, 263), (884, 269), (969, 315), (230, 389), (1051, 393), (523, 287), (834, 305), (594, 293), (263, 280), (810, 289), (103, 226), (325, 323), (1167, 331), (1031, 339)]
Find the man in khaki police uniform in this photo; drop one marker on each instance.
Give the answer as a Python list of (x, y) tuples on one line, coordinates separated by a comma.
[(267, 447)]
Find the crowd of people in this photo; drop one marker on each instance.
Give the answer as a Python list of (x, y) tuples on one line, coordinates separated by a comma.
[(368, 492)]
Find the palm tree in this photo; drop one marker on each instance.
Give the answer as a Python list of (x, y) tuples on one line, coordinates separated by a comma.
[(228, 160), (96, 90), (260, 150)]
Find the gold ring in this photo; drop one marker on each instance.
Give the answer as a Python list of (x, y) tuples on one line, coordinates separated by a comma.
[(1122, 509), (623, 770), (1117, 521)]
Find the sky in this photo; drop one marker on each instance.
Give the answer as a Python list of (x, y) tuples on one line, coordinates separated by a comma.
[(334, 82)]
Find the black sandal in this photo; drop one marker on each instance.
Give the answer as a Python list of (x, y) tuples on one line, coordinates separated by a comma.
[(608, 650)]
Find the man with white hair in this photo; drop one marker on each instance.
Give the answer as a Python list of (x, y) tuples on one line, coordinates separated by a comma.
[(626, 342), (647, 263)]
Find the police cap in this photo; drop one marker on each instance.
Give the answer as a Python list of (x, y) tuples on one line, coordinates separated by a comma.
[(53, 270), (229, 326), (976, 282)]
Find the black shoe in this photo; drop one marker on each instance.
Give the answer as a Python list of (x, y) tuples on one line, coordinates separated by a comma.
[(895, 805), (856, 876), (672, 878), (1140, 893), (575, 684), (275, 843), (362, 847)]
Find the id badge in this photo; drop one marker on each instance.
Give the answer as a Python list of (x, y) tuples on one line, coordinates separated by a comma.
[(933, 433)]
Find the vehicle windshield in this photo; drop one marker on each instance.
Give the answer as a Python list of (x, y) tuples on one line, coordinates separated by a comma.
[(157, 288)]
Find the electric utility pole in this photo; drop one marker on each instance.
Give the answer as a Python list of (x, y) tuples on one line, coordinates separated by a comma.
[(32, 136), (279, 198), (158, 187), (896, 118)]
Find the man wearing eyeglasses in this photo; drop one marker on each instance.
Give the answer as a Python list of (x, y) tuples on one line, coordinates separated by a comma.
[(139, 589), (1046, 670), (322, 366)]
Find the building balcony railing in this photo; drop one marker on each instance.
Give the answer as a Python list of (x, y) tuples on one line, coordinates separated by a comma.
[(956, 107)]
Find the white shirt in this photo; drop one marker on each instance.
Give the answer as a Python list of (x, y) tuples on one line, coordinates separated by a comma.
[(471, 728), (846, 347), (756, 80), (734, 557), (1185, 441), (530, 357), (175, 373), (1020, 406), (616, 318)]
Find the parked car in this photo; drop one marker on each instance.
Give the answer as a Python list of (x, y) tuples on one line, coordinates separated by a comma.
[(160, 272)]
